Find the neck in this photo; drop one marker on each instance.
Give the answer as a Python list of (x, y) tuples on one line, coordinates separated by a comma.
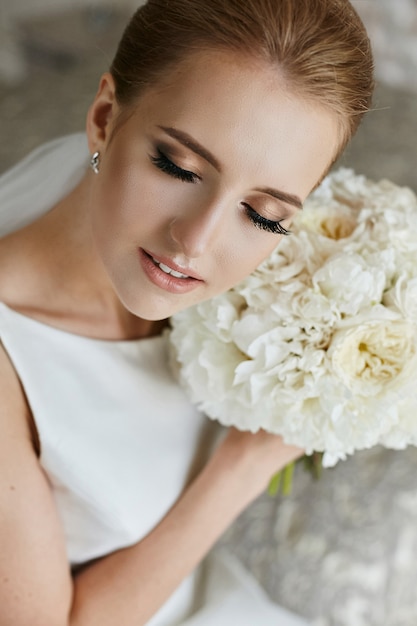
[(53, 273)]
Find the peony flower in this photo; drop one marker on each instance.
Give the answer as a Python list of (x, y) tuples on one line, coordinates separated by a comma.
[(370, 358), (350, 283)]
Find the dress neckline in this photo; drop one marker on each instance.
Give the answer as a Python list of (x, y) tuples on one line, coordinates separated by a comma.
[(85, 338)]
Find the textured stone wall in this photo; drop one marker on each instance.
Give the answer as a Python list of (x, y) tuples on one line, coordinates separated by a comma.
[(392, 25)]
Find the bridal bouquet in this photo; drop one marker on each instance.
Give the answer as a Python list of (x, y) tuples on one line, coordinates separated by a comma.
[(319, 344)]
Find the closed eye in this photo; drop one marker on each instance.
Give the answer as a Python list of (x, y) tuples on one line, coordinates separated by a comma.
[(263, 223), (163, 163)]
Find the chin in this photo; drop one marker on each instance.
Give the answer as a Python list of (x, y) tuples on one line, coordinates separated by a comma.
[(153, 309)]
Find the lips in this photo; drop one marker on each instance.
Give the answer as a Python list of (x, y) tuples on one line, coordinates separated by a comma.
[(171, 266), (168, 270), (167, 274)]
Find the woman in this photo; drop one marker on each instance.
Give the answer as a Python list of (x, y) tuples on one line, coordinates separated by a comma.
[(215, 122)]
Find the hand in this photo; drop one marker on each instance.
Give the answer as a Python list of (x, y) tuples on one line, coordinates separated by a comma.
[(255, 457)]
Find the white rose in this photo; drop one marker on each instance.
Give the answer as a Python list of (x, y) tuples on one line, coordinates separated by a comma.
[(333, 222), (313, 306), (287, 260), (404, 297), (371, 358), (350, 283)]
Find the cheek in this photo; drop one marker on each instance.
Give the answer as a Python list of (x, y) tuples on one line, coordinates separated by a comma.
[(244, 255), (139, 191), (125, 204)]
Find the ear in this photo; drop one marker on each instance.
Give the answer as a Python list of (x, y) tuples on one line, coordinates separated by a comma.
[(102, 114)]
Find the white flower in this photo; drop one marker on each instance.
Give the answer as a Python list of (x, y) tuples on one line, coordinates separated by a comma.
[(333, 222), (403, 296), (350, 283), (371, 358), (319, 344)]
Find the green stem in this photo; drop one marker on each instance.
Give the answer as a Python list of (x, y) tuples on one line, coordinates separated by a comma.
[(288, 476), (285, 477), (274, 484)]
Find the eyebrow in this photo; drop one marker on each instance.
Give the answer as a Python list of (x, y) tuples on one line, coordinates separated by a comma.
[(186, 140), (191, 143), (288, 198)]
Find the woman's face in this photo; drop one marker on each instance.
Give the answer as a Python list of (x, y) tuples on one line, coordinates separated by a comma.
[(201, 182)]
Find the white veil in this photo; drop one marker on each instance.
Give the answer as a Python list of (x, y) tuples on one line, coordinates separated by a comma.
[(46, 175)]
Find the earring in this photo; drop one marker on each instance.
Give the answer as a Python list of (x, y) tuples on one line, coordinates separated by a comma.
[(95, 162)]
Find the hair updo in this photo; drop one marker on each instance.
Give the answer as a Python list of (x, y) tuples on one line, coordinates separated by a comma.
[(320, 46)]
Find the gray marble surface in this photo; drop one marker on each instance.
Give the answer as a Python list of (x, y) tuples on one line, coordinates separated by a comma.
[(341, 551)]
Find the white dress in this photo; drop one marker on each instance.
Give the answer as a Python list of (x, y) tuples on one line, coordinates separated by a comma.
[(118, 436)]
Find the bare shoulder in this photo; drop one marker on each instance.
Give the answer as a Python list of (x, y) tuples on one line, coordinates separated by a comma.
[(35, 580)]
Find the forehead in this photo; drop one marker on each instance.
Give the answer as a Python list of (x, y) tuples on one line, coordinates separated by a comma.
[(244, 112)]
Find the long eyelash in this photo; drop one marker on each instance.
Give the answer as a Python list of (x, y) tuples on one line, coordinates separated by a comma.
[(261, 222), (166, 165)]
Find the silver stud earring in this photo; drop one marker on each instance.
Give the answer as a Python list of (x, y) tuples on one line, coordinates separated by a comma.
[(95, 162)]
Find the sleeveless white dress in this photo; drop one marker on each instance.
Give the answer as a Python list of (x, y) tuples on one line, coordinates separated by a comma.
[(118, 436)]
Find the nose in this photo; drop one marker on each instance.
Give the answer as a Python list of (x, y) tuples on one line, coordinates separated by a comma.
[(197, 228)]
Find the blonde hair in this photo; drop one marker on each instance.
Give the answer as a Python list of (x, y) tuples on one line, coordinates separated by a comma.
[(320, 46)]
